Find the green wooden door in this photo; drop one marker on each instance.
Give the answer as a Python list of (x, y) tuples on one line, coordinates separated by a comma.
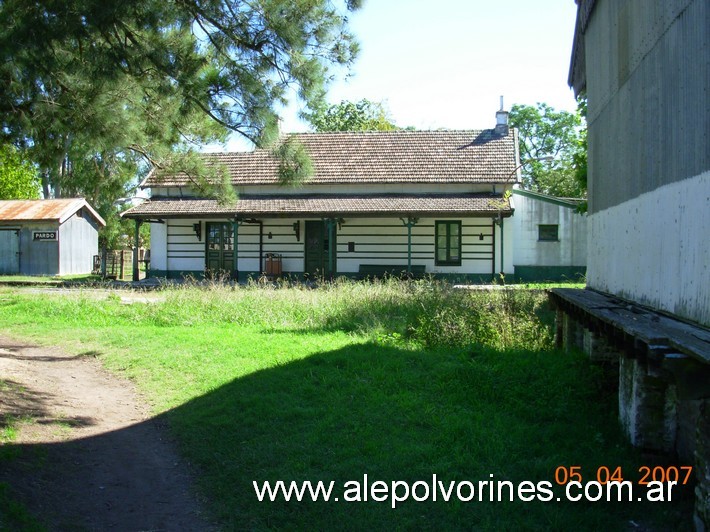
[(317, 244), (220, 248)]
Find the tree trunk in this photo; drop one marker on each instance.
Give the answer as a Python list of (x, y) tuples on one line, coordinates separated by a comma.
[(46, 189)]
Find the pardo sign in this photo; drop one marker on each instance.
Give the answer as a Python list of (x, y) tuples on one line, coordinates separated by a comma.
[(44, 236)]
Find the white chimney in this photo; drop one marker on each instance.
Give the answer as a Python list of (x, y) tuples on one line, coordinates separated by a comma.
[(501, 120)]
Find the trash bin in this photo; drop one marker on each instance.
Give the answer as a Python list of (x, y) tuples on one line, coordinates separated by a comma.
[(273, 265)]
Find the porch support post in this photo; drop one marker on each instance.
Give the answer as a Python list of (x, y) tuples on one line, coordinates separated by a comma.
[(493, 248), (502, 248), (331, 246), (235, 229), (499, 222), (409, 222), (137, 243)]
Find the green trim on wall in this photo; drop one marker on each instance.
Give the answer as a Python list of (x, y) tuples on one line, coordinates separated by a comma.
[(176, 274), (244, 276), (549, 273)]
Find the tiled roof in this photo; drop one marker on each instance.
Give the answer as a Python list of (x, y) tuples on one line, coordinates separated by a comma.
[(476, 156), (294, 206), (44, 210)]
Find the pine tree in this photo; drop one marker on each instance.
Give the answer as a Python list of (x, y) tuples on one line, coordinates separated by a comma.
[(99, 90)]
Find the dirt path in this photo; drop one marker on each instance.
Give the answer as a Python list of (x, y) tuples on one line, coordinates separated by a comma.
[(90, 457)]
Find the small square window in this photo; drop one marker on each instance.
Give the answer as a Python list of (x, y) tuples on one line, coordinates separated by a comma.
[(548, 233)]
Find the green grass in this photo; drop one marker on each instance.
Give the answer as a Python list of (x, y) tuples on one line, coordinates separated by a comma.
[(13, 514), (84, 278), (398, 381)]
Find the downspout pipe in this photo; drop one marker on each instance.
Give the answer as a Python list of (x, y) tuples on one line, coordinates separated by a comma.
[(500, 222), (493, 248), (502, 249)]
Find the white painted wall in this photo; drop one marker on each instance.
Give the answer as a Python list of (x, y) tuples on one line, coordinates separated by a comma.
[(174, 245), (508, 233), (384, 241), (655, 249), (530, 213), (185, 252), (159, 246)]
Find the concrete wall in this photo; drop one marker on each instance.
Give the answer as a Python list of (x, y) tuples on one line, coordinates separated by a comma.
[(647, 88), (542, 260), (654, 249), (648, 77), (649, 162)]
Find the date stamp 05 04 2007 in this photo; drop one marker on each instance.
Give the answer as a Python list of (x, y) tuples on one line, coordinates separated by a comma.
[(678, 474)]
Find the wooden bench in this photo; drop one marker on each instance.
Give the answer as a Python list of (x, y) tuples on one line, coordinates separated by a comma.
[(395, 270)]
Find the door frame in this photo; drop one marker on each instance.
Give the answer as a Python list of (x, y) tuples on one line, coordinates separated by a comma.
[(222, 252), (328, 228)]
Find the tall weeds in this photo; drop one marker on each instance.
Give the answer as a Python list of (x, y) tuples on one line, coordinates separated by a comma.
[(431, 313)]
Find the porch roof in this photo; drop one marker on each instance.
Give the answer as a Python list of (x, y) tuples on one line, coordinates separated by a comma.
[(326, 206)]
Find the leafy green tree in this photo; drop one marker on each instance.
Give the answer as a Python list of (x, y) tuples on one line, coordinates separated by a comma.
[(18, 177), (351, 116), (579, 157), (547, 133), (119, 233), (98, 90)]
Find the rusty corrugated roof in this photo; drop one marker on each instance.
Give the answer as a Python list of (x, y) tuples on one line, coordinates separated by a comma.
[(58, 210)]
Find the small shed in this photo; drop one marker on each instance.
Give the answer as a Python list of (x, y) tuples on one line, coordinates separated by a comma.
[(550, 237), (48, 237)]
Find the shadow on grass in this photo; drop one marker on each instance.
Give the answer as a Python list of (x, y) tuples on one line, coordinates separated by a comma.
[(391, 414), (395, 414)]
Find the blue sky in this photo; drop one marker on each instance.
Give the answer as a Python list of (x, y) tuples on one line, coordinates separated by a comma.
[(445, 63)]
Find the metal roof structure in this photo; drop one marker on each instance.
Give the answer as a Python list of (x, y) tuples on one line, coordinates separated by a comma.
[(58, 210)]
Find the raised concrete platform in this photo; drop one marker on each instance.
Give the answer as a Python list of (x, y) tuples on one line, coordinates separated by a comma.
[(664, 375)]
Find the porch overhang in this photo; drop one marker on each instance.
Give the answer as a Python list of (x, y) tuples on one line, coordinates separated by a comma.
[(321, 206)]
